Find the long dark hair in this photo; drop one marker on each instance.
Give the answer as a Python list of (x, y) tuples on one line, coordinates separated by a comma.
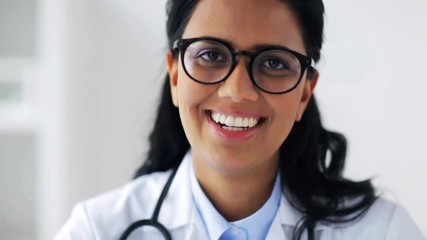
[(311, 158)]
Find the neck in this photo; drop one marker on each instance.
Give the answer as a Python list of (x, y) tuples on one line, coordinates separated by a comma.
[(237, 196)]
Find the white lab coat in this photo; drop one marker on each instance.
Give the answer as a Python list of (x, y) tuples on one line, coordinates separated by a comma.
[(108, 215)]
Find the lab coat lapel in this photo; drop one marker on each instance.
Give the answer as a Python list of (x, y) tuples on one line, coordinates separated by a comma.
[(178, 205), (197, 230), (277, 230), (286, 221), (178, 212)]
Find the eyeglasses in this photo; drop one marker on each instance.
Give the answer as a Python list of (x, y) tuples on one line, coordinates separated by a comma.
[(272, 69)]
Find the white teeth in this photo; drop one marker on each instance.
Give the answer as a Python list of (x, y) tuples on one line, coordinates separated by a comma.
[(229, 121), (234, 123), (234, 129), (238, 121), (252, 122), (221, 118), (245, 122)]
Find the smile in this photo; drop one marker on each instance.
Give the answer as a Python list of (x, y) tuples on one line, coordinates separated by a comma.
[(233, 123)]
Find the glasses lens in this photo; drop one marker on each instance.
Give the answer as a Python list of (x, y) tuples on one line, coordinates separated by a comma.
[(276, 70), (207, 61)]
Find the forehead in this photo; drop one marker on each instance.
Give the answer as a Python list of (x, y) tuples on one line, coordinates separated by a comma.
[(246, 23)]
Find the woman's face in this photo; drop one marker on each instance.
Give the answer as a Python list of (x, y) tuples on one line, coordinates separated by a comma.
[(245, 24)]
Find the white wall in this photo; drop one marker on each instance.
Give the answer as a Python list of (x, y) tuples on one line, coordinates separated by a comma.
[(102, 66), (115, 60), (371, 89)]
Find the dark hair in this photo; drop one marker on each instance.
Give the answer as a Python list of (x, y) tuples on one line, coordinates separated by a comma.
[(311, 158)]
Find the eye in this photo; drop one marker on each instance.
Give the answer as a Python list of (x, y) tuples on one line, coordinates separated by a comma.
[(274, 64), (211, 55)]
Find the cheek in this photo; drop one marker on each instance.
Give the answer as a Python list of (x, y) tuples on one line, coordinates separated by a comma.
[(188, 108), (190, 93), (287, 105), (285, 110), (192, 97)]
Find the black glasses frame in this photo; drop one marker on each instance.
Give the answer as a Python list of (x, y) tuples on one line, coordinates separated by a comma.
[(181, 45)]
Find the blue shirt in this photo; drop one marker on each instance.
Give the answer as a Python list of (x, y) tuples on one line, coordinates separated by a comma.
[(255, 226)]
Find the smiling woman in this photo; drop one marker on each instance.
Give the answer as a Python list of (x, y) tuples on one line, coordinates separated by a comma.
[(238, 150)]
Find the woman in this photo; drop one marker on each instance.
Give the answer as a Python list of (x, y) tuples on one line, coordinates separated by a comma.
[(238, 150)]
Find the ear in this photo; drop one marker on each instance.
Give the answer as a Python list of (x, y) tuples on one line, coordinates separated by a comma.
[(173, 76), (310, 84)]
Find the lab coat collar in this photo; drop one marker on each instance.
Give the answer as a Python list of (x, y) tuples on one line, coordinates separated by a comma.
[(180, 202), (290, 216), (286, 221)]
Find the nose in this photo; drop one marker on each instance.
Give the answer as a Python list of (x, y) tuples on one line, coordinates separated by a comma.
[(238, 86)]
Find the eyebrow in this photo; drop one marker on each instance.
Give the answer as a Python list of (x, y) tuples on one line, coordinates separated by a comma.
[(264, 46), (257, 47)]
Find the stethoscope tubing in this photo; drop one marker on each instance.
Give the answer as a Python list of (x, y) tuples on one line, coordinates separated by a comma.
[(153, 221), (146, 222)]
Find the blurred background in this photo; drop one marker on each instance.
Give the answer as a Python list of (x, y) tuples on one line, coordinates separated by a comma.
[(80, 79)]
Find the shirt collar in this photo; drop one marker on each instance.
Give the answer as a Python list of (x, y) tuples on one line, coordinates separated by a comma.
[(256, 225), (209, 215)]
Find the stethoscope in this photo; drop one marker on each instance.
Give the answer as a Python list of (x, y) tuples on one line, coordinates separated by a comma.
[(153, 222)]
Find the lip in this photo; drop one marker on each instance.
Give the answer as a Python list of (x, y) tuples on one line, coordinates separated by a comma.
[(235, 136)]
